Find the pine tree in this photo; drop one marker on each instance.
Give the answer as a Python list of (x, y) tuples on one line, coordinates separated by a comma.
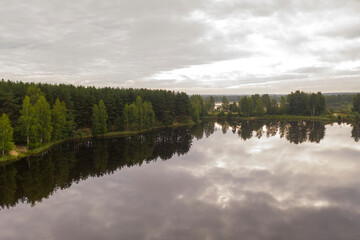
[(225, 104), (356, 103), (6, 134)]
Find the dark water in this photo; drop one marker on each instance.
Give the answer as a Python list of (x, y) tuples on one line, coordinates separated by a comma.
[(240, 180)]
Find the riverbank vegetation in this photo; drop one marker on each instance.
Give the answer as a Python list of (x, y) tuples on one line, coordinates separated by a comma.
[(38, 115)]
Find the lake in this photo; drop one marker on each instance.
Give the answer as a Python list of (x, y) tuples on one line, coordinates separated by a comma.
[(215, 180)]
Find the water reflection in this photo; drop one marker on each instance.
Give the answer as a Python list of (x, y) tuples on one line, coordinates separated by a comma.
[(295, 131), (355, 132), (216, 186), (36, 178)]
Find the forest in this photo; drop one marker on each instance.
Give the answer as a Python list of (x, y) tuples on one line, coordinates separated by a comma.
[(35, 114)]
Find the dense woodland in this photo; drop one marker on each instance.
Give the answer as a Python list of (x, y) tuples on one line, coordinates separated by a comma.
[(35, 114)]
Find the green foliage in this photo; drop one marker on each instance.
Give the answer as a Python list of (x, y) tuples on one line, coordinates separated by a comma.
[(43, 120), (259, 108), (197, 107), (99, 119), (339, 102), (234, 108), (182, 104), (283, 105), (301, 103), (298, 103), (62, 121), (356, 103), (317, 104), (209, 104), (34, 93), (139, 115), (27, 121), (221, 114), (357, 117), (6, 134), (80, 100), (246, 106), (225, 104)]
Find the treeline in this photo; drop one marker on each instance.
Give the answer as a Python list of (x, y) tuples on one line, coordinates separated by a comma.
[(295, 103), (334, 102), (40, 113), (80, 100)]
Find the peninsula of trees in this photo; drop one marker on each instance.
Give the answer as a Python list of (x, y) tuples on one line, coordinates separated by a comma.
[(35, 114)]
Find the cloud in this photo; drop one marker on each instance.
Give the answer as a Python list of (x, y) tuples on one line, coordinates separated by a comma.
[(141, 43)]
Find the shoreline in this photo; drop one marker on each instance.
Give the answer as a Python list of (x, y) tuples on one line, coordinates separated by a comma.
[(327, 119), (10, 158)]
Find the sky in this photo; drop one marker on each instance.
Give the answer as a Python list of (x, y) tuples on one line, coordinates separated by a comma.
[(196, 46)]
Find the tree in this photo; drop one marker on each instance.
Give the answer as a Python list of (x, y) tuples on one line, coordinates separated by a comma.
[(298, 103), (209, 104), (43, 119), (259, 108), (316, 104), (246, 106), (58, 119), (356, 103), (34, 93), (6, 134), (99, 119), (233, 107), (282, 109), (225, 104), (27, 120), (197, 107)]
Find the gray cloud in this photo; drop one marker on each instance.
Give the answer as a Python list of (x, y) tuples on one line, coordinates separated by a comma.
[(131, 43)]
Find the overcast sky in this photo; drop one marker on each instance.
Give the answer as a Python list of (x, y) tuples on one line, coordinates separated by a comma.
[(197, 46)]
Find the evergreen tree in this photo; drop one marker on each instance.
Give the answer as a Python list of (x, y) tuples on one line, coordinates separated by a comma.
[(282, 108), (43, 119), (246, 106), (233, 107), (225, 104), (6, 134), (356, 103), (209, 104)]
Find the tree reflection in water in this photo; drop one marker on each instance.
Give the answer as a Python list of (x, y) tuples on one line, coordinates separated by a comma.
[(35, 178)]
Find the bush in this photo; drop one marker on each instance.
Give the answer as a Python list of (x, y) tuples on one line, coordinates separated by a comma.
[(221, 114)]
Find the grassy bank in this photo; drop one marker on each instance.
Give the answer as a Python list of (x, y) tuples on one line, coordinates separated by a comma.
[(29, 152)]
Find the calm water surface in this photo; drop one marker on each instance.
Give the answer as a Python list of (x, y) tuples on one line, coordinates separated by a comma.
[(239, 180)]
